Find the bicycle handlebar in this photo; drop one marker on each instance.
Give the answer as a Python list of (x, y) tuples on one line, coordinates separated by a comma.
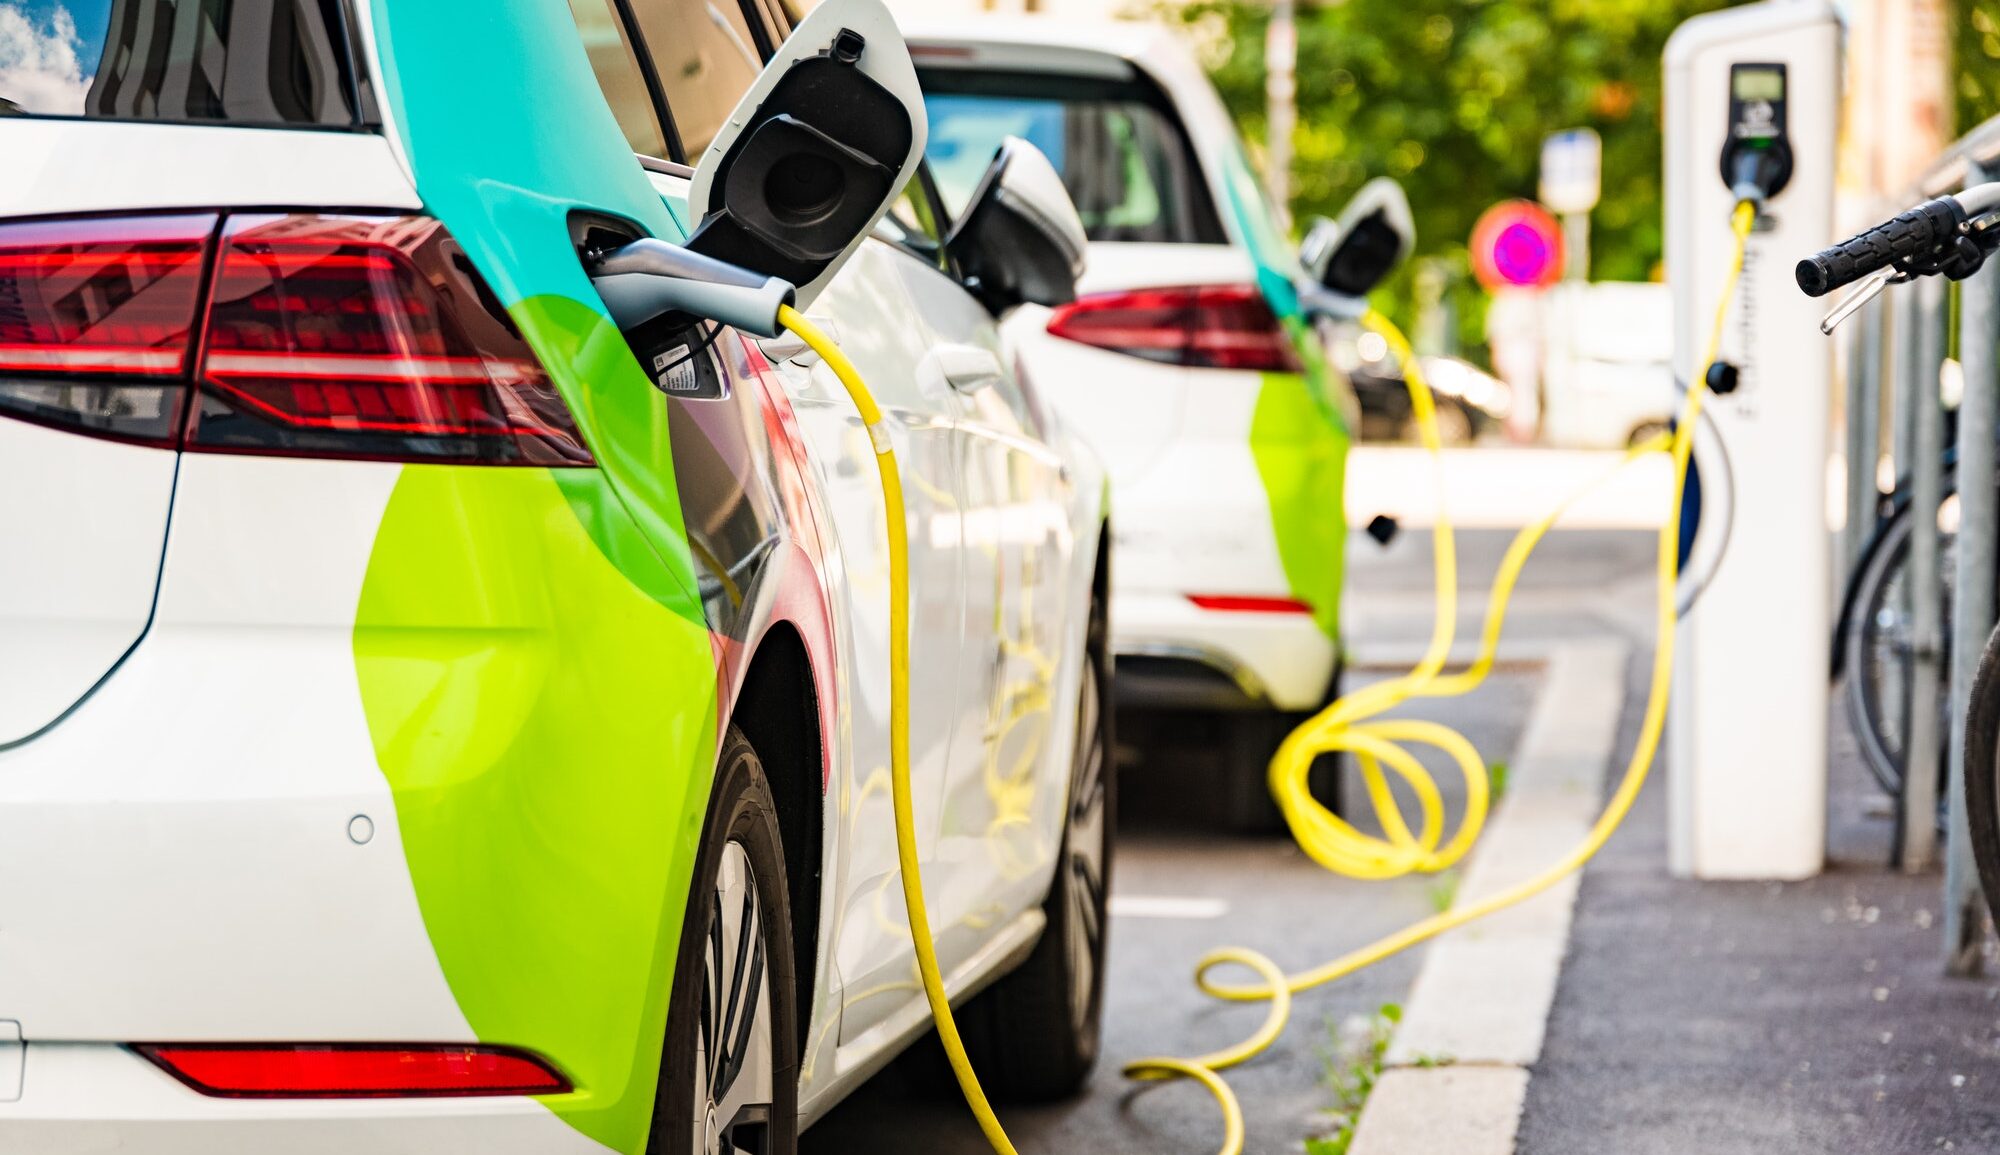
[(1918, 233)]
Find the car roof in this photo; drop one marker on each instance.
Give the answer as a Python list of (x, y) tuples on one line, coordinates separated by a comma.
[(1107, 48)]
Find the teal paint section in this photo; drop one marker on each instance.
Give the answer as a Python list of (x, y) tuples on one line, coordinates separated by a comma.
[(508, 134), (533, 660)]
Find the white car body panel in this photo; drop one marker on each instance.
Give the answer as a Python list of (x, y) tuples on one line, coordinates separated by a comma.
[(219, 850), (1191, 510)]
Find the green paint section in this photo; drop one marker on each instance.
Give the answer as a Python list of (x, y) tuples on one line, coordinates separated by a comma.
[(547, 728), (1301, 456), (536, 672)]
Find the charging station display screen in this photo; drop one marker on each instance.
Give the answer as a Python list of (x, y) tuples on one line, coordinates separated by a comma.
[(1757, 84)]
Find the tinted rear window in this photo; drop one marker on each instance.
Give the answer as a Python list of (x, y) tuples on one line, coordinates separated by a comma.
[(1119, 147), (272, 62)]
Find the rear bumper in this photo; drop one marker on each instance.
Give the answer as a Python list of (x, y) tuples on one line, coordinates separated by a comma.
[(1174, 655), (97, 1097)]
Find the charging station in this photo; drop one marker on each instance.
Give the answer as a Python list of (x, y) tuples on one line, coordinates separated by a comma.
[(1752, 96)]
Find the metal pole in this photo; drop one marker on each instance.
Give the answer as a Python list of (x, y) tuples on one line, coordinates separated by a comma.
[(1921, 737), (1281, 112), (1972, 614), (1864, 430), (1576, 246)]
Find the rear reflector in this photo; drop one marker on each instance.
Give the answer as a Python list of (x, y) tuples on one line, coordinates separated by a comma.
[(369, 337), (97, 317), (353, 1071), (1204, 327), (1248, 604)]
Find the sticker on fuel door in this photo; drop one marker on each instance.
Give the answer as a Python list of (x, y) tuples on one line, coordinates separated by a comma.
[(674, 372)]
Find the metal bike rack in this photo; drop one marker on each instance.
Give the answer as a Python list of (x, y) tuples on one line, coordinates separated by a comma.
[(1973, 159), (1920, 332)]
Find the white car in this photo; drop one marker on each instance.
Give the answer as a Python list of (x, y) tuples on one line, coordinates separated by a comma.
[(443, 698), (1188, 360)]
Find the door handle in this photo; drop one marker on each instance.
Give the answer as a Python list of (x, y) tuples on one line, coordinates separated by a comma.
[(968, 368)]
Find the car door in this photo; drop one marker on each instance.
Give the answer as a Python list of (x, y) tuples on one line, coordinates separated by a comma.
[(705, 54), (1003, 796)]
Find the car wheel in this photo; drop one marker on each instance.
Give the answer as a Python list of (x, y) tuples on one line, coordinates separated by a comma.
[(729, 1071), (1454, 425), (1645, 431), (1982, 770), (1034, 1035)]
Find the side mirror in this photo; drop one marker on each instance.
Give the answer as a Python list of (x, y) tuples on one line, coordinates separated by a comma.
[(1019, 240), (815, 152), (1351, 255)]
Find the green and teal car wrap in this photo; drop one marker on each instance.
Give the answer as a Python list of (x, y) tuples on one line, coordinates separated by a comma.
[(541, 689), (1299, 431)]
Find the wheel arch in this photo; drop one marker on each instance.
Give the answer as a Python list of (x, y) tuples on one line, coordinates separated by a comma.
[(778, 710)]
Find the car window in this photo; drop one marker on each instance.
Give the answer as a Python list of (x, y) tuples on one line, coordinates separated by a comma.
[(1124, 159), (239, 63), (706, 57), (617, 67), (916, 222)]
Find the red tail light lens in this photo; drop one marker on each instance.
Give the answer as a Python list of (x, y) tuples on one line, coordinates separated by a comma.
[(97, 317), (353, 1070), (1249, 604), (369, 337), (1206, 327)]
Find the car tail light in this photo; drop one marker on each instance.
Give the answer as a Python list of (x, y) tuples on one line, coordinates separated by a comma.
[(1249, 604), (97, 320), (353, 1070), (300, 334), (368, 337), (1206, 327)]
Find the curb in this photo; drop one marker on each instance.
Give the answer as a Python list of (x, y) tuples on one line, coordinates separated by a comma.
[(1481, 1000)]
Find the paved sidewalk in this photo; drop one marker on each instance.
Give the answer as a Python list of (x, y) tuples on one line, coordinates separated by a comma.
[(1763, 1018)]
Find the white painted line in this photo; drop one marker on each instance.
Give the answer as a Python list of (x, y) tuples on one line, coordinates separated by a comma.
[(1167, 906), (1481, 1000)]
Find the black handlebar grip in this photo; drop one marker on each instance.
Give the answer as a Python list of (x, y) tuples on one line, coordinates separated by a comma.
[(1921, 230)]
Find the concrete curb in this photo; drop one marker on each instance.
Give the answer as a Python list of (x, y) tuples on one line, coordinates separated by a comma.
[(1481, 1001)]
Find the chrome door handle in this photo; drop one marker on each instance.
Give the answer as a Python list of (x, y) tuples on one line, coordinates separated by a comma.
[(968, 368)]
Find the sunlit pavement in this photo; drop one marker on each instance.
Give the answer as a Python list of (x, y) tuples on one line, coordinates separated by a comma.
[(1272, 898)]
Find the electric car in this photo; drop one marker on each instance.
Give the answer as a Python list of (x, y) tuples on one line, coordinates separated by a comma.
[(443, 699), (1189, 361)]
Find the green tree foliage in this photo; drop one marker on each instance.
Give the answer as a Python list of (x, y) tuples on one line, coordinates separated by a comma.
[(1453, 98), (1975, 60)]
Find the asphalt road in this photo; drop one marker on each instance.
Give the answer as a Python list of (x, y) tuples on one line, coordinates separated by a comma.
[(1272, 898), (1581, 583)]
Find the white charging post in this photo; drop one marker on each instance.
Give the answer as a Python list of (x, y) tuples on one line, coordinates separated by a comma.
[(1746, 735)]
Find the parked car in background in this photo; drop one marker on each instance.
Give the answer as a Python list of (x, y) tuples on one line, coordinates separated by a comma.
[(443, 704), (1187, 359), (1607, 364), (1470, 401)]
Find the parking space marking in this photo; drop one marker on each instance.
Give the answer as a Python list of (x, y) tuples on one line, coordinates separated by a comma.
[(1167, 906)]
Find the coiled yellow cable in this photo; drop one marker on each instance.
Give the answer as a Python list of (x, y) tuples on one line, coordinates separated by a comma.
[(1345, 725)]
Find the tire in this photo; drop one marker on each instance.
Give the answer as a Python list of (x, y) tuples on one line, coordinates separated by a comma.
[(731, 984), (1982, 791), (1646, 431), (1249, 741), (1454, 423), (1877, 640), (1034, 1035)]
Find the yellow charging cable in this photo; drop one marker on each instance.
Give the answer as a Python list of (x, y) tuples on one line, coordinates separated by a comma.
[(1342, 726)]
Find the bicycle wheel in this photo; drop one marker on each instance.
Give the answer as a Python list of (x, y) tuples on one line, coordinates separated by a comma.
[(1880, 639)]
